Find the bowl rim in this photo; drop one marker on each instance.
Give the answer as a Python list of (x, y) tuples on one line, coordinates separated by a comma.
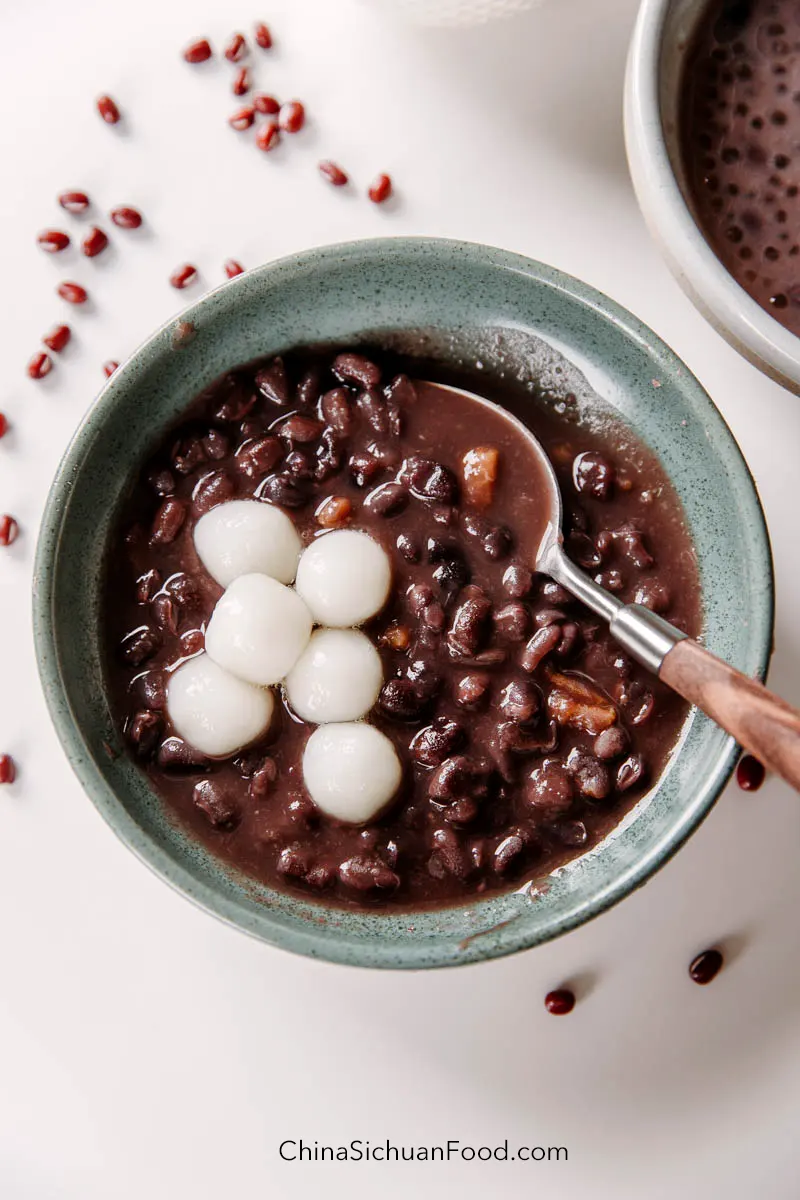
[(315, 941), (748, 327)]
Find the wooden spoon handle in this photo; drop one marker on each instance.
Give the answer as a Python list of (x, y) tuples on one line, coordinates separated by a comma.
[(763, 723)]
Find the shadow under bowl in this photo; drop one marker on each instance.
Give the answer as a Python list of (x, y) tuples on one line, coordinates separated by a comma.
[(461, 303)]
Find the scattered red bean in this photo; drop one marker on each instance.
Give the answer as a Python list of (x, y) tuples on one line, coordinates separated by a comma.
[(236, 48), (94, 243), (264, 103), (108, 110), (268, 136), (380, 189), (74, 202), (241, 82), (705, 966), (750, 773), (3, 424), (53, 240), (333, 174), (39, 366), (8, 530), (263, 37), (198, 52), (183, 276), (8, 771), (58, 338), (560, 1002), (110, 367), (293, 116), (73, 293), (126, 218), (242, 119), (233, 268)]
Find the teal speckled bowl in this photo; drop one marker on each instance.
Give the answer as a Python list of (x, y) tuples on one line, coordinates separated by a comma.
[(470, 302)]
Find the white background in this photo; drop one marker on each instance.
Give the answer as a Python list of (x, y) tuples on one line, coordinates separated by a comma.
[(146, 1050)]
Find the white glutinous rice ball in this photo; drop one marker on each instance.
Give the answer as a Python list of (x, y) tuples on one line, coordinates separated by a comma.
[(258, 629), (344, 577), (243, 537), (214, 711), (336, 678), (351, 771)]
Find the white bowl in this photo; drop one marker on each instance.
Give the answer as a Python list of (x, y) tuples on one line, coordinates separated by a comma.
[(661, 38)]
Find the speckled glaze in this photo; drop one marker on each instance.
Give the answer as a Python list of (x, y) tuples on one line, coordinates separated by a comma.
[(464, 295)]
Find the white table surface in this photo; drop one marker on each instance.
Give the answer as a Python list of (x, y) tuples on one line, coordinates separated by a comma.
[(147, 1050)]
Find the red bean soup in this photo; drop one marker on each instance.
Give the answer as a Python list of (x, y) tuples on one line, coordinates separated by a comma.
[(522, 732), (740, 134)]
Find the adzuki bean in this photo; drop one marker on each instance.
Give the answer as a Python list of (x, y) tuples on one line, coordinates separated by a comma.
[(8, 771), (517, 581), (333, 173), (273, 382), (95, 242), (507, 853), (40, 365), (126, 217), (380, 189), (264, 103), (472, 691), (630, 772), (9, 529), (705, 966), (750, 773), (355, 368), (560, 1002), (242, 119), (258, 456), (241, 82), (219, 807), (57, 339), (593, 473), (214, 488), (268, 136), (198, 52), (292, 116), (144, 732), (74, 202), (108, 110), (236, 48), (181, 277), (73, 293), (53, 240), (263, 37), (168, 522)]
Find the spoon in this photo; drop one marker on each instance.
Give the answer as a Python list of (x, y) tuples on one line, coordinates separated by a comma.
[(759, 720)]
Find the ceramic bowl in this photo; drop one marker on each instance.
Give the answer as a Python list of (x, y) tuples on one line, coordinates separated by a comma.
[(662, 35), (459, 302)]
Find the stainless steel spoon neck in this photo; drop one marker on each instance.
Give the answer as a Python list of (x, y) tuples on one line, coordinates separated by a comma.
[(642, 633), (645, 635), (554, 562)]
